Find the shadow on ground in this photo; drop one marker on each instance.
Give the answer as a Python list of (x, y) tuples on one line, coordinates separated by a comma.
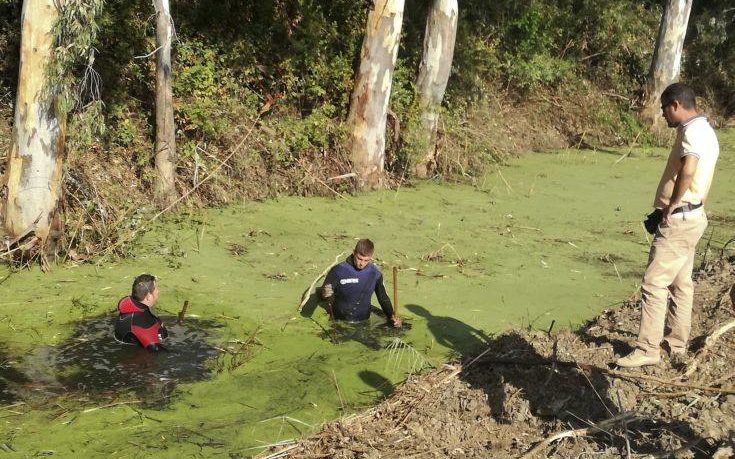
[(527, 384), (10, 379)]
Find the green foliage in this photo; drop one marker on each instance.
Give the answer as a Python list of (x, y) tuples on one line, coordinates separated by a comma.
[(75, 34), (88, 127), (292, 63), (710, 61), (539, 70)]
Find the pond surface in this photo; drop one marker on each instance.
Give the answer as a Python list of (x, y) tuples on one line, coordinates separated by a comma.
[(552, 237)]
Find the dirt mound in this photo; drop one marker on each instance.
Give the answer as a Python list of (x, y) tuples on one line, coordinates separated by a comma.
[(525, 388)]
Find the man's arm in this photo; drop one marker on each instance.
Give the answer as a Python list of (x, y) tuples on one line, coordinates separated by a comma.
[(327, 291), (683, 181), (330, 281), (385, 302)]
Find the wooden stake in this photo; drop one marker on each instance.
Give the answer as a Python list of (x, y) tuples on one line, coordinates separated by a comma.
[(182, 313), (395, 291)]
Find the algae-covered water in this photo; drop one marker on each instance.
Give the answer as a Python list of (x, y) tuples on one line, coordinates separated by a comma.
[(547, 237)]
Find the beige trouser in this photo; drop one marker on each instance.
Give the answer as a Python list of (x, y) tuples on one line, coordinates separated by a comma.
[(669, 274)]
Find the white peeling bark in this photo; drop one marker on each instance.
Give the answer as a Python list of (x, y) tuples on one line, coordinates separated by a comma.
[(371, 94), (666, 62), (436, 64), (165, 146), (33, 173)]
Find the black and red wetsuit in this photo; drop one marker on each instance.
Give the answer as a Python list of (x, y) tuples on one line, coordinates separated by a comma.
[(136, 322)]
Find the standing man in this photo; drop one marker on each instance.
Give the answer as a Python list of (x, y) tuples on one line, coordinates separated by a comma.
[(681, 195), (349, 287)]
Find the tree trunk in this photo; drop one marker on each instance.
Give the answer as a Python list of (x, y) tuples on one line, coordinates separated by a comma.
[(165, 147), (436, 64), (33, 173), (666, 59), (371, 94)]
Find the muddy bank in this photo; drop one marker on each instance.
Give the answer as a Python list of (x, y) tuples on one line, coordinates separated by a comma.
[(529, 386)]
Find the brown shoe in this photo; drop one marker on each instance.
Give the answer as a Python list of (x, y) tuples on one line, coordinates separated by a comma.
[(636, 359)]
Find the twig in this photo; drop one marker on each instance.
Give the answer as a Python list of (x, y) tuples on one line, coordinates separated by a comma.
[(348, 175), (631, 148), (706, 249), (600, 426), (595, 391), (620, 279), (675, 453), (307, 293), (329, 187), (339, 392), (280, 453), (708, 343), (89, 410), (625, 429), (510, 189), (395, 291), (20, 237)]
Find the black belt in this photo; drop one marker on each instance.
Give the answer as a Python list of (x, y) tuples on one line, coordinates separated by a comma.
[(687, 208)]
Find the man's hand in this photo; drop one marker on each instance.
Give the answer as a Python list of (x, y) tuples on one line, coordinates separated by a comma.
[(668, 211), (396, 322), (327, 291)]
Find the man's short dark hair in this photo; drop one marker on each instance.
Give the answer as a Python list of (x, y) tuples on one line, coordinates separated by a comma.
[(681, 93), (143, 285), (365, 247)]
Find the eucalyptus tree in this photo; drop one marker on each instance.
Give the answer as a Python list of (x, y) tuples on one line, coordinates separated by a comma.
[(666, 63), (436, 65), (55, 36), (165, 145), (371, 92)]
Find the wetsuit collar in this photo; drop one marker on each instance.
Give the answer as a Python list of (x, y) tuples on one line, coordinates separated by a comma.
[(140, 304)]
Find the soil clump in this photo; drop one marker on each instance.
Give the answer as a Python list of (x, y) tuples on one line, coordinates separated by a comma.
[(527, 386)]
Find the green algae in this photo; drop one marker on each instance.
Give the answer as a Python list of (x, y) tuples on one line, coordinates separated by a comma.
[(553, 236)]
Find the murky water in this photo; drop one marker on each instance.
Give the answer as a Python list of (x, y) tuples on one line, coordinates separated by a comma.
[(92, 363)]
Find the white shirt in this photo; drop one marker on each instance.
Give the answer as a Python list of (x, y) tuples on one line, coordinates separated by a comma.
[(693, 137)]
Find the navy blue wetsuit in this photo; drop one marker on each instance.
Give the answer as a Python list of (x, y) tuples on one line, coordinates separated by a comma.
[(353, 290)]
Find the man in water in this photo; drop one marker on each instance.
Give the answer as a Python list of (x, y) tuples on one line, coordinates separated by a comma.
[(349, 287), (136, 322), (680, 198)]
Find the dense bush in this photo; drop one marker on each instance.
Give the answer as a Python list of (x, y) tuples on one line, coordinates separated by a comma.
[(710, 60)]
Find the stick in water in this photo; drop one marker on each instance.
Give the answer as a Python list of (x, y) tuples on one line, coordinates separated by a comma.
[(395, 291), (182, 313)]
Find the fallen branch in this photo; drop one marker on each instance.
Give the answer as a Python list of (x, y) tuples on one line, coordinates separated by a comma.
[(348, 175), (708, 343), (599, 427), (307, 293)]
